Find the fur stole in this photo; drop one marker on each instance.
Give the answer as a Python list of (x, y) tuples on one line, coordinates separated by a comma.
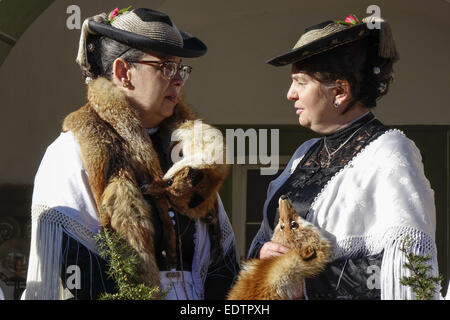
[(122, 165), (281, 277)]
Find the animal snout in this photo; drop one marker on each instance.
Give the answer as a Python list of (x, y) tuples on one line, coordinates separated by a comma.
[(283, 199)]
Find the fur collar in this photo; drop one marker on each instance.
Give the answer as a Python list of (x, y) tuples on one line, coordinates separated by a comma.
[(121, 164)]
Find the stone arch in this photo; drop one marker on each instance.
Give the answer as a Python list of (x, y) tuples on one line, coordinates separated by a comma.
[(15, 17)]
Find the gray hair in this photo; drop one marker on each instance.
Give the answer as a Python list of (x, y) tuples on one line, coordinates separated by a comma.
[(101, 54)]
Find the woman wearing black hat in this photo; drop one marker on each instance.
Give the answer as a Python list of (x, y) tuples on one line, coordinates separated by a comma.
[(362, 183), (113, 167)]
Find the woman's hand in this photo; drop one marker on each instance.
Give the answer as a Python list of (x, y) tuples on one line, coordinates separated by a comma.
[(272, 249)]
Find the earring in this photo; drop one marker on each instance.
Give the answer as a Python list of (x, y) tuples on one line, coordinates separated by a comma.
[(336, 104), (125, 83)]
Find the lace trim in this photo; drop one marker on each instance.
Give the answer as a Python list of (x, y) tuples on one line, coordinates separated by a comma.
[(199, 279), (353, 247), (348, 165), (227, 236), (227, 240), (342, 145), (72, 227)]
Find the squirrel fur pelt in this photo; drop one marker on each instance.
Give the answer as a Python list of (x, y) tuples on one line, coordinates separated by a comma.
[(280, 277), (122, 165)]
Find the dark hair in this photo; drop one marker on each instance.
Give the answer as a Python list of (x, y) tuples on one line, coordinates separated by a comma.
[(101, 53), (368, 74)]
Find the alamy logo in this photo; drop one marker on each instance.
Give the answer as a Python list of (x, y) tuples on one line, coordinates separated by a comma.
[(74, 20), (204, 143), (73, 281), (373, 21), (373, 281)]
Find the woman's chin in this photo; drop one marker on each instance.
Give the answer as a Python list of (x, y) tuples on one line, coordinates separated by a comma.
[(302, 122), (167, 109)]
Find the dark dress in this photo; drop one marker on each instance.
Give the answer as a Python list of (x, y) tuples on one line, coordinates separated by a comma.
[(95, 281), (343, 278)]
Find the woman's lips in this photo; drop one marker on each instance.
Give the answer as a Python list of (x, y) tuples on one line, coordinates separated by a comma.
[(299, 110), (173, 99)]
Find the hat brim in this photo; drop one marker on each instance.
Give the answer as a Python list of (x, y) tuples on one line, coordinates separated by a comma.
[(192, 46), (323, 44)]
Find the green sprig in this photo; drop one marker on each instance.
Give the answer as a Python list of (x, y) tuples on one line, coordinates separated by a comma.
[(122, 261), (423, 285)]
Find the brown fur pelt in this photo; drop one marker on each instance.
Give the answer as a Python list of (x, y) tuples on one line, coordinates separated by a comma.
[(122, 164), (280, 277)]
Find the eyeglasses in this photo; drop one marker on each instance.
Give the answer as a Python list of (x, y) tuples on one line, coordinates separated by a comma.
[(168, 68)]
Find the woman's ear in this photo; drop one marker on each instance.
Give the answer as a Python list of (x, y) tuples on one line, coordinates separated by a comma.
[(121, 74), (343, 94)]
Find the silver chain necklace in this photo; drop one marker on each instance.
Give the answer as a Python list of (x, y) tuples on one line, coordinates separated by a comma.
[(330, 155)]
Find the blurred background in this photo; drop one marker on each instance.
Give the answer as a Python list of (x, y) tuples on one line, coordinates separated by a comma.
[(230, 87)]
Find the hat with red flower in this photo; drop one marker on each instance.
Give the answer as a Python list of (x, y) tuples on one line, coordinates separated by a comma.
[(142, 29), (328, 35)]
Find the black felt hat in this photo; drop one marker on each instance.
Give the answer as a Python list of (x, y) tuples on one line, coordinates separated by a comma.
[(328, 35)]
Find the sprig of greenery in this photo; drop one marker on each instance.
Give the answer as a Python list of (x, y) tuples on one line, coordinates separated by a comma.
[(123, 261), (422, 284)]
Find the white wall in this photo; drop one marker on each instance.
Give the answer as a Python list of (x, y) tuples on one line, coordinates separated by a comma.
[(40, 82)]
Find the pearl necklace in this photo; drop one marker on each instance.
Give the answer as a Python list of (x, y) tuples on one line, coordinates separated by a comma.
[(331, 154)]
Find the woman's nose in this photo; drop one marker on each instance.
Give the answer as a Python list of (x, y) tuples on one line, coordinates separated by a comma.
[(177, 80), (292, 94)]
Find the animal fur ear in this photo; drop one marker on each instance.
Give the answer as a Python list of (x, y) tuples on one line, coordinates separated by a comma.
[(308, 253)]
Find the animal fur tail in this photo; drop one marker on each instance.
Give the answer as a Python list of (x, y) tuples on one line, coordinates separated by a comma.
[(133, 222)]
